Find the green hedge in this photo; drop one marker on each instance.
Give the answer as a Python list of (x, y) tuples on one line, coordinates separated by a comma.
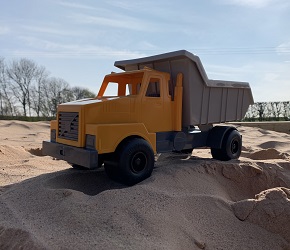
[(266, 119)]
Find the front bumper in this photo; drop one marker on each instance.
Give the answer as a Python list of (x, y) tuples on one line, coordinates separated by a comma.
[(84, 157)]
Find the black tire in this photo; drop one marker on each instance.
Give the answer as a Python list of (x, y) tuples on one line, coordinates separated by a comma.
[(112, 170), (136, 161), (101, 159), (216, 153), (231, 147)]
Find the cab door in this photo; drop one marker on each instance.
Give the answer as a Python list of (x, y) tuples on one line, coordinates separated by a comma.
[(156, 104)]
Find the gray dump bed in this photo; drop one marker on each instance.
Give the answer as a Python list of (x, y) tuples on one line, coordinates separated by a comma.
[(205, 101)]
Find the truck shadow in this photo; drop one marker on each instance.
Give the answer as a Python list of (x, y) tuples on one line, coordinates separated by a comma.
[(89, 182), (94, 182)]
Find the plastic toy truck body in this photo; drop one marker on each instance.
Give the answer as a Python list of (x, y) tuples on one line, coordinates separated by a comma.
[(162, 103)]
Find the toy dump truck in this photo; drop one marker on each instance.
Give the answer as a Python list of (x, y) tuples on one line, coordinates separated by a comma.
[(161, 103)]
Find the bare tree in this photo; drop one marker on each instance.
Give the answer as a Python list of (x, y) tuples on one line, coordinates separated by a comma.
[(37, 96), (81, 93), (26, 85), (6, 99), (21, 75), (55, 91), (2, 81)]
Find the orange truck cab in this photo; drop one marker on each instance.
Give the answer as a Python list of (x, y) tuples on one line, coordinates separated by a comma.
[(160, 104)]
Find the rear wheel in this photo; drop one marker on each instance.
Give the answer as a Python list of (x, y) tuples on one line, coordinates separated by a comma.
[(136, 161), (231, 147)]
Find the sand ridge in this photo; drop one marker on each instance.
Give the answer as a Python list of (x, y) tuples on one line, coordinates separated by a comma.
[(190, 202)]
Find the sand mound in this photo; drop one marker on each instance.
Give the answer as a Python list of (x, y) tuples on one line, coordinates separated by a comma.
[(267, 154), (19, 151), (257, 139), (185, 206), (26, 134), (274, 144), (35, 151), (264, 132), (15, 125), (13, 153), (190, 202), (270, 209)]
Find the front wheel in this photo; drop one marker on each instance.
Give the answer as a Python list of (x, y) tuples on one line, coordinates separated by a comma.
[(136, 161), (231, 147)]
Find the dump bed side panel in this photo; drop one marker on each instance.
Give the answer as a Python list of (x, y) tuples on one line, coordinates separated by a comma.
[(204, 101)]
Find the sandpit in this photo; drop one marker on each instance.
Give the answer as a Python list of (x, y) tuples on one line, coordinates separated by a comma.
[(190, 202)]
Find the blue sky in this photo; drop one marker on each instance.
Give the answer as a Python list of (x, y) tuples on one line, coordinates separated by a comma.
[(243, 40)]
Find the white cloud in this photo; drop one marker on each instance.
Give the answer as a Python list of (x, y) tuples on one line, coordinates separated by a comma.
[(115, 21), (44, 48), (49, 30), (283, 49), (122, 4), (130, 5), (252, 3), (145, 45), (4, 30), (75, 5)]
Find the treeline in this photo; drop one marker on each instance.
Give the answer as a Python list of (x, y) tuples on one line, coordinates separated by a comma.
[(268, 111), (27, 89)]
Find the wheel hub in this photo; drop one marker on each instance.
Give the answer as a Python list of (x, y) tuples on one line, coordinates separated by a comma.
[(235, 146), (138, 162)]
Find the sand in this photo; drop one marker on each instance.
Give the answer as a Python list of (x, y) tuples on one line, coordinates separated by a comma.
[(190, 202)]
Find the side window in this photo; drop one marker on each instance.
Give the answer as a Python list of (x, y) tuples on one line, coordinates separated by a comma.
[(128, 89), (112, 89), (153, 89), (133, 89)]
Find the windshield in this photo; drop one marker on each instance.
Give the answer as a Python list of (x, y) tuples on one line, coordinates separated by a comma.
[(121, 85)]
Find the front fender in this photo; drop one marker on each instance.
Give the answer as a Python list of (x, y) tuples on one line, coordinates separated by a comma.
[(109, 136)]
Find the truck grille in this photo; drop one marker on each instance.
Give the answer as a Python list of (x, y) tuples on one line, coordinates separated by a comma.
[(68, 125)]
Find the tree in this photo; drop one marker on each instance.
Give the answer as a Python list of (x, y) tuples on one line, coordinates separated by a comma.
[(23, 83), (6, 99), (37, 96), (21, 75), (286, 110), (250, 114), (260, 110), (276, 110), (55, 91), (82, 93)]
